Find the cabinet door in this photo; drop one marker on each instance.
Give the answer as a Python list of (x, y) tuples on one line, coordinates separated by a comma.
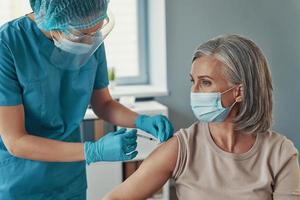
[(102, 177)]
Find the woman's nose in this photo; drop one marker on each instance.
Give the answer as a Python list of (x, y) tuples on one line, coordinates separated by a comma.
[(194, 88)]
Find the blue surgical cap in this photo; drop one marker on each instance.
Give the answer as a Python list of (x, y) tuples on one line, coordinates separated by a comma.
[(68, 14)]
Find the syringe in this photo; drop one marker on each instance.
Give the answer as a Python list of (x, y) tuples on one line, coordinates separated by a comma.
[(145, 137)]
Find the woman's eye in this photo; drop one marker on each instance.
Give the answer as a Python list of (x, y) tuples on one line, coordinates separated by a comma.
[(192, 80), (206, 83)]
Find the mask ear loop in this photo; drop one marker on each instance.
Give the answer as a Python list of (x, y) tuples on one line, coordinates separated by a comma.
[(228, 91), (233, 104), (52, 36), (57, 35)]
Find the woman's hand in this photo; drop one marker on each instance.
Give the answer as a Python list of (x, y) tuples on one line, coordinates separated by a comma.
[(115, 146), (159, 126)]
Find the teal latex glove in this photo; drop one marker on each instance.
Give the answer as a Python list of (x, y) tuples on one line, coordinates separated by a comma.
[(114, 146), (159, 126)]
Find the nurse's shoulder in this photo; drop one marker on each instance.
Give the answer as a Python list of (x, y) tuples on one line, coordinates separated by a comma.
[(10, 31)]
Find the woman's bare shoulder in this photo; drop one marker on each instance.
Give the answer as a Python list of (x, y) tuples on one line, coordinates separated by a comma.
[(165, 155), (155, 170)]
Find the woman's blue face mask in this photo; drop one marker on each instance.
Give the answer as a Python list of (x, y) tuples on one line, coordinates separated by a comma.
[(207, 107)]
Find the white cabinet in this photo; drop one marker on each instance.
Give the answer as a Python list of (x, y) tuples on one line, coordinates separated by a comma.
[(103, 177)]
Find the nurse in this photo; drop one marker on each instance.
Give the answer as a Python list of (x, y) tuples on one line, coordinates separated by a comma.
[(52, 65)]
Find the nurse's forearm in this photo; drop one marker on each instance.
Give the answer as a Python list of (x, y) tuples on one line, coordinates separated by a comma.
[(106, 108), (21, 144), (38, 148), (116, 113)]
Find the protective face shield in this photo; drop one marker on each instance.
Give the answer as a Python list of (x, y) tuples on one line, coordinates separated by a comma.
[(75, 48), (207, 107)]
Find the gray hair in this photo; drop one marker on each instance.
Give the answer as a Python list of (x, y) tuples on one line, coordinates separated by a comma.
[(244, 64)]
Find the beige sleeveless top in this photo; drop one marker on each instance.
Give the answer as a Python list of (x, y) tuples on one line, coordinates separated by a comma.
[(269, 170)]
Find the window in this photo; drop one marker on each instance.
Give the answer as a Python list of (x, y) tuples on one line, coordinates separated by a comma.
[(10, 9), (126, 44), (126, 47)]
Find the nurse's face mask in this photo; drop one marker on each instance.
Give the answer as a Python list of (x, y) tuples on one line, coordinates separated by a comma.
[(207, 106), (75, 48)]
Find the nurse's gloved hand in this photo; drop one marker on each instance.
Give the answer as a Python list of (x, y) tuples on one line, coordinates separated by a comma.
[(159, 126), (115, 146)]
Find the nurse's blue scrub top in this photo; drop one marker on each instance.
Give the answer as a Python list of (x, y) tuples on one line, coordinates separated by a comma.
[(55, 101)]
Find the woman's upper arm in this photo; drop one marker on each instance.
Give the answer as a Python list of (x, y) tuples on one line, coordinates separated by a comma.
[(11, 125), (150, 176), (100, 97), (287, 180)]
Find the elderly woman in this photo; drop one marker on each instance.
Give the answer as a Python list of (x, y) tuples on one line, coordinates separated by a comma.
[(231, 152)]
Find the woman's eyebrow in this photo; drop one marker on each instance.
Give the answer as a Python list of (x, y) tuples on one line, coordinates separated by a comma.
[(204, 76)]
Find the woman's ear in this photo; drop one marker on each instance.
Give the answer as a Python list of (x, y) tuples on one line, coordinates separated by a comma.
[(239, 93)]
